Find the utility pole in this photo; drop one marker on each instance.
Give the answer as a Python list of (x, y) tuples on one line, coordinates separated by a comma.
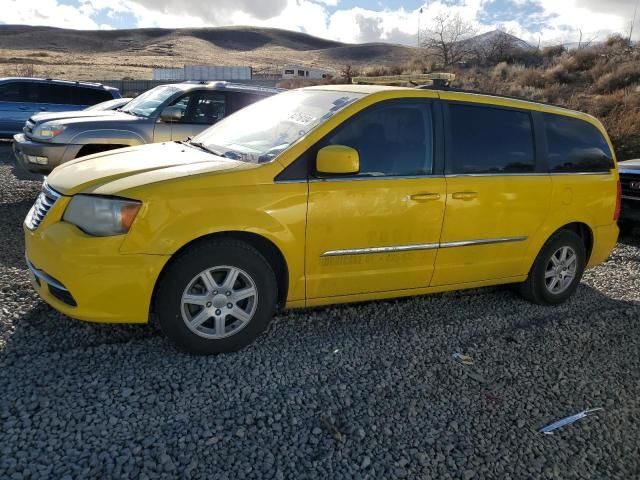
[(419, 18), (633, 22), (419, 15)]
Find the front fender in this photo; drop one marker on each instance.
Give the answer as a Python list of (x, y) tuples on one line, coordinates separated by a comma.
[(191, 210)]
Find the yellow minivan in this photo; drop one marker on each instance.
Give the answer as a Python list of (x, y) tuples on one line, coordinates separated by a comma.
[(326, 195)]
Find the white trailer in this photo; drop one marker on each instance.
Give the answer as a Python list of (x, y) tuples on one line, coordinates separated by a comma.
[(207, 72), (301, 71)]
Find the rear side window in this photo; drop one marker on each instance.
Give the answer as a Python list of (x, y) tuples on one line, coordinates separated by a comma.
[(489, 140), (395, 139), (576, 146), (90, 96), (49, 93)]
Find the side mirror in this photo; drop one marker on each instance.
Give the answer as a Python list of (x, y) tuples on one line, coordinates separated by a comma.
[(338, 160), (171, 114)]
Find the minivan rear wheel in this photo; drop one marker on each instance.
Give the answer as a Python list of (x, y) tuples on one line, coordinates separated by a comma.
[(216, 297), (557, 270)]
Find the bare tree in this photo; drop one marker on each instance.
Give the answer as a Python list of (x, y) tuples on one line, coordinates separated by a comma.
[(348, 72), (448, 38), (25, 70)]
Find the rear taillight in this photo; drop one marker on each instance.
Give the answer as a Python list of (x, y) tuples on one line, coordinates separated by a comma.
[(616, 212)]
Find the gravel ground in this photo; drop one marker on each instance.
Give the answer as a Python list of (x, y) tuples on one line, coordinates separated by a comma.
[(366, 392)]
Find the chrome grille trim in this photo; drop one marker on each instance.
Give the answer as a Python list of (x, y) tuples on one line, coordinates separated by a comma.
[(47, 199), (44, 277), (28, 127)]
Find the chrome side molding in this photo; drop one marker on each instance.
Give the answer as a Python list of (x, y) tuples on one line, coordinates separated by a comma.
[(390, 249), (484, 241), (421, 246)]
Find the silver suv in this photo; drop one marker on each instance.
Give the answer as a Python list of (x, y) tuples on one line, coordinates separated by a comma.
[(167, 112)]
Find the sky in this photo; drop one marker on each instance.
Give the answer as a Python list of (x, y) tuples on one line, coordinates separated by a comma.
[(353, 21)]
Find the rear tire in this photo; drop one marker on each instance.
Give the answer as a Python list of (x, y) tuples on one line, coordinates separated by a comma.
[(216, 297), (557, 270)]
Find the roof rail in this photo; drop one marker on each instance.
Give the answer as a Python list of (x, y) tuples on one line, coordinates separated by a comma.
[(439, 79)]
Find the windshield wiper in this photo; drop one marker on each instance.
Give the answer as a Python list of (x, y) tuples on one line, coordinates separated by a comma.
[(203, 147)]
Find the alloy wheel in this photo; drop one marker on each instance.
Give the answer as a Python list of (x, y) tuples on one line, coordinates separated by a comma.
[(219, 302), (561, 270)]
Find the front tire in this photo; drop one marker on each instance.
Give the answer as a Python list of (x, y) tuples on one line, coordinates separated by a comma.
[(216, 297), (557, 270)]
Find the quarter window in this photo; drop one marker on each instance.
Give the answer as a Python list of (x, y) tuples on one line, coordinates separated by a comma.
[(490, 140), (576, 146), (395, 139)]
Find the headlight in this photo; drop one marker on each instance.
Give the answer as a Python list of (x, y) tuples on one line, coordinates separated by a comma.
[(48, 130), (101, 216)]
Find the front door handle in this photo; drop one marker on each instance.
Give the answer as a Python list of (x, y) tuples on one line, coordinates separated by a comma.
[(464, 195), (425, 197)]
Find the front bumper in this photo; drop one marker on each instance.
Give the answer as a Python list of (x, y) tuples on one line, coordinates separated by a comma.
[(630, 209), (87, 277), (54, 153)]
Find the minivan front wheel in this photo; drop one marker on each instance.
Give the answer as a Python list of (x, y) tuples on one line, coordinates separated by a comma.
[(216, 297), (557, 270)]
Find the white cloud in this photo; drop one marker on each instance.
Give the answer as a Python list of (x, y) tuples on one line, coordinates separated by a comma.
[(46, 12), (560, 20)]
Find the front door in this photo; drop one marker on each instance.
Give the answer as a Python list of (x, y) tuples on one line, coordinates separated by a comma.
[(497, 198), (200, 110), (378, 230)]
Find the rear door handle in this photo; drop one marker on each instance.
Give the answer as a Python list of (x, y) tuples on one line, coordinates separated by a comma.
[(464, 195), (425, 197)]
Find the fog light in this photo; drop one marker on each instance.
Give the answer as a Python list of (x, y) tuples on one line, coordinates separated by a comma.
[(38, 160)]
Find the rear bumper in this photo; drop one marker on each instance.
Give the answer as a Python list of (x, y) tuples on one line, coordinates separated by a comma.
[(604, 241), (55, 154), (87, 277)]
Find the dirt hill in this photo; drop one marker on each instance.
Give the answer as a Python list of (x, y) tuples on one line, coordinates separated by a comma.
[(114, 54)]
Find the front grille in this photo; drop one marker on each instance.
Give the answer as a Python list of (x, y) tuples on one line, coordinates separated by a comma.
[(626, 180), (28, 127), (41, 207)]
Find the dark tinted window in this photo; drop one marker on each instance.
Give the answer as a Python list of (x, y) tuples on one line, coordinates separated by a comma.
[(490, 140), (207, 108), (238, 100), (395, 139), (12, 92), (49, 93), (90, 96), (576, 146)]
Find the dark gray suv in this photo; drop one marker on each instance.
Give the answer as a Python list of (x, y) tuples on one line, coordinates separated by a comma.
[(22, 97), (164, 113)]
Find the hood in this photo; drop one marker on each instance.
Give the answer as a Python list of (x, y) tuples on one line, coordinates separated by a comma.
[(116, 170), (94, 114), (629, 165)]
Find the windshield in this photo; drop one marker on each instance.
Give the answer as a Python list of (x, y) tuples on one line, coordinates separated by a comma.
[(144, 105), (260, 132)]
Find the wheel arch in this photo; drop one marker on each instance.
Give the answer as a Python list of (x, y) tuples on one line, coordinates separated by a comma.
[(584, 231), (266, 247)]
